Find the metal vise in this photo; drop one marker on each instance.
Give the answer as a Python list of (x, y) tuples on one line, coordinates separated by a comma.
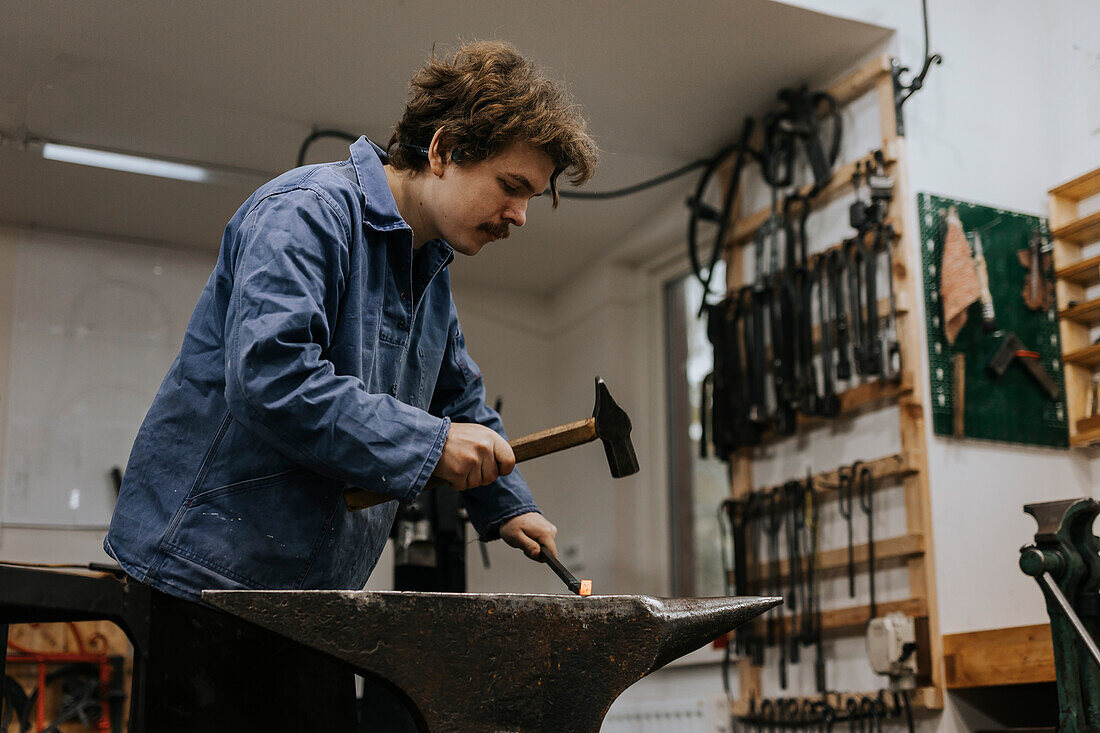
[(1065, 561)]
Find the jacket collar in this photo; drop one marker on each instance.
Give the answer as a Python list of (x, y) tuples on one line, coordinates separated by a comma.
[(379, 205)]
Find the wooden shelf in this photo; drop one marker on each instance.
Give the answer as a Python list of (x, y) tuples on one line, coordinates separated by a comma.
[(854, 401), (1079, 188), (1084, 230), (852, 620), (1086, 313), (920, 699), (831, 563), (1071, 231), (1082, 440), (1088, 356), (1019, 655), (1086, 272), (896, 466)]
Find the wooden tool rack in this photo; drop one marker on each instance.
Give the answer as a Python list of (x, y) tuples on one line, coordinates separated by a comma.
[(1074, 274), (913, 550)]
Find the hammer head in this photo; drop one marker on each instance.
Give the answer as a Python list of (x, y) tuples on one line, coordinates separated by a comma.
[(613, 429)]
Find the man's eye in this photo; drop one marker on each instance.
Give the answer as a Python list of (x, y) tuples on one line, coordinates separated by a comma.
[(509, 188)]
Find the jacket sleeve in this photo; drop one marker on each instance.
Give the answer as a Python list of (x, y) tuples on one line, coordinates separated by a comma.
[(288, 279), (460, 395)]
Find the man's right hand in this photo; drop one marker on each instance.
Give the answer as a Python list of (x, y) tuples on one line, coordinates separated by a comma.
[(473, 455)]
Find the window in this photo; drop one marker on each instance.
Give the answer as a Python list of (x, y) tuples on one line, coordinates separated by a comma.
[(697, 485)]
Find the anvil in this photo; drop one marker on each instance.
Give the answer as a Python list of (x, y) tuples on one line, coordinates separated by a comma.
[(480, 662)]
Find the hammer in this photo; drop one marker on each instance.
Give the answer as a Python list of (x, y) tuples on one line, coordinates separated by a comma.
[(609, 423)]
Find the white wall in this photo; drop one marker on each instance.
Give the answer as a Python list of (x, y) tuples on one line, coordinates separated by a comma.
[(543, 355), (95, 317)]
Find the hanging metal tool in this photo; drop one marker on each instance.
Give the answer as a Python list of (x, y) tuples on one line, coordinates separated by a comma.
[(989, 316), (891, 347), (811, 628), (829, 405), (755, 511), (866, 486), (735, 512), (854, 254), (1038, 285), (806, 390), (795, 504), (845, 479), (858, 210), (765, 258), (777, 628), (801, 119), (1011, 350), (750, 418), (881, 188), (869, 329), (783, 331), (720, 383), (840, 314)]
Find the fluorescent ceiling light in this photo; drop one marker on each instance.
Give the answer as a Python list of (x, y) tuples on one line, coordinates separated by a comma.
[(123, 162)]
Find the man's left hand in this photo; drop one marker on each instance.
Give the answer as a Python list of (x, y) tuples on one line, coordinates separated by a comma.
[(528, 531)]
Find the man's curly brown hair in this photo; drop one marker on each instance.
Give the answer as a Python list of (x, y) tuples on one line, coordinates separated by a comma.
[(486, 97)]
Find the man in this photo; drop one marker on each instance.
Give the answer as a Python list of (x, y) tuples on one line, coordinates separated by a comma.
[(325, 351)]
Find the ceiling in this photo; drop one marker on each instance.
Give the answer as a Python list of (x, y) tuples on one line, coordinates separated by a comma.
[(242, 84)]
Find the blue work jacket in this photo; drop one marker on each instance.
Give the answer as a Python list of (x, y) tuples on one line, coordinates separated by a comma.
[(324, 353)]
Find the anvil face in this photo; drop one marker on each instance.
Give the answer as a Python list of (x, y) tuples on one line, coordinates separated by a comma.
[(497, 661)]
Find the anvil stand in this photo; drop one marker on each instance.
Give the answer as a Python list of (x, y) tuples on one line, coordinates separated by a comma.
[(473, 662), (194, 667)]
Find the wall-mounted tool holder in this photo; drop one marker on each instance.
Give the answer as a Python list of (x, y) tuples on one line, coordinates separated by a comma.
[(1007, 385), (1076, 270), (913, 549)]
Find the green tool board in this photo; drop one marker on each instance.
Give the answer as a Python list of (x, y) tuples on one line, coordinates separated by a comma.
[(1011, 408)]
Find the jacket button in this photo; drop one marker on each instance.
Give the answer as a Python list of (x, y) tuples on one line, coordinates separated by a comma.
[(401, 325), (404, 296)]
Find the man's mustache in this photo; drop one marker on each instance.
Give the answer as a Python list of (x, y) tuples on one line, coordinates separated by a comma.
[(498, 231)]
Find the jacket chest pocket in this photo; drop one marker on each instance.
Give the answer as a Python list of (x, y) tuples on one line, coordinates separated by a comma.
[(395, 373)]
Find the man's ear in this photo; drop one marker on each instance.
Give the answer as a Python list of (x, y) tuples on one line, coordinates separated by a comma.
[(438, 154)]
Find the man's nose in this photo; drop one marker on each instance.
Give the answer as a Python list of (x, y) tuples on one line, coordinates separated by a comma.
[(516, 213)]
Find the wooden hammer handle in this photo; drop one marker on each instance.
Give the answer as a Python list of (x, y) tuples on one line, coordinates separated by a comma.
[(529, 446), (553, 440)]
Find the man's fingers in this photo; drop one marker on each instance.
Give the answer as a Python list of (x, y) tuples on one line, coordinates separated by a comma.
[(505, 457), (550, 544), (473, 478), (473, 455), (532, 550), (489, 472)]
